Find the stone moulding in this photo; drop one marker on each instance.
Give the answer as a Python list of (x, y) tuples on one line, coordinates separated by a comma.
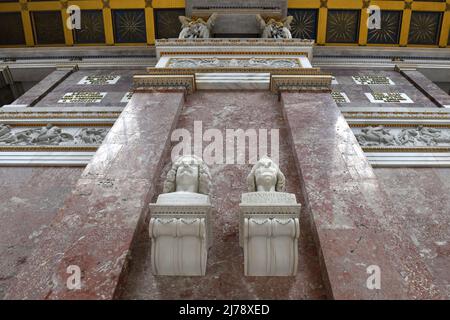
[(166, 82), (50, 158), (269, 229), (233, 42), (321, 83), (189, 226), (233, 47), (38, 142), (274, 71), (405, 141), (228, 62), (231, 53)]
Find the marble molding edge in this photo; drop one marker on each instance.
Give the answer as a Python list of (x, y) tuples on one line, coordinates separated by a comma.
[(46, 158), (259, 225), (178, 221), (235, 42), (274, 71), (407, 149), (164, 83), (231, 53), (314, 83)]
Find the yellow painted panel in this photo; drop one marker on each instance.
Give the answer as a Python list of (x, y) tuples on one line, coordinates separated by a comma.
[(404, 33), (445, 30), (87, 5), (301, 4), (344, 4), (168, 4), (27, 28), (363, 29), (428, 6), (128, 4), (44, 6), (389, 5), (322, 26), (306, 4), (9, 7), (107, 21), (150, 25), (68, 34)]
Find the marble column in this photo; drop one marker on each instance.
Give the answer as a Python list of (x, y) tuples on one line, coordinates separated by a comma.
[(354, 225), (95, 228)]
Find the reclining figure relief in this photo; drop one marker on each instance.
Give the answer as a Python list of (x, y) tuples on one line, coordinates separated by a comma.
[(196, 28), (275, 29)]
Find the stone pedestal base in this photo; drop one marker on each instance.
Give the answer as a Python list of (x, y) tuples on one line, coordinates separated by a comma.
[(269, 229), (181, 236)]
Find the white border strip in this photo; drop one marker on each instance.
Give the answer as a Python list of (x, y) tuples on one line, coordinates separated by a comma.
[(408, 159), (64, 159)]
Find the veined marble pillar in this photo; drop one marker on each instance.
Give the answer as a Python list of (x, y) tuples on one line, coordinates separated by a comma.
[(96, 227), (353, 222)]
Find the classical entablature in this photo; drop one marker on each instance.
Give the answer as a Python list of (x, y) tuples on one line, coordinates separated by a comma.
[(278, 65)]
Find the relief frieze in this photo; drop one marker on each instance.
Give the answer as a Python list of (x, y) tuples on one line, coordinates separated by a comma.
[(51, 135), (226, 63), (419, 136)]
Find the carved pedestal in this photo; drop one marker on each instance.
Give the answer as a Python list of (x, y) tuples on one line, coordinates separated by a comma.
[(268, 232), (181, 234)]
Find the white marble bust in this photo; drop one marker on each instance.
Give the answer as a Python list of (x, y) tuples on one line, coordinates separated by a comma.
[(180, 224), (266, 176), (269, 223), (187, 182)]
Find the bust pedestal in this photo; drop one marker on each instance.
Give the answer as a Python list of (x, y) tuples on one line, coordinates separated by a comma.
[(181, 234), (268, 232)]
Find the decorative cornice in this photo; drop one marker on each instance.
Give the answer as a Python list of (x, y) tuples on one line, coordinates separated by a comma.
[(274, 71), (233, 42), (231, 53), (321, 83), (168, 82), (407, 149), (49, 148)]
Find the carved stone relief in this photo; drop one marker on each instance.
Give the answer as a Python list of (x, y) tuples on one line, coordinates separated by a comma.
[(242, 63), (411, 137), (50, 135), (275, 29), (194, 29)]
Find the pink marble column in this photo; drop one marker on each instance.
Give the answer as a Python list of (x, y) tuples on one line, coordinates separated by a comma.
[(354, 224), (96, 227)]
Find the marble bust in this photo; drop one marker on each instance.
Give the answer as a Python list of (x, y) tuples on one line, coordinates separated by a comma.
[(187, 182), (180, 226), (269, 223), (266, 176)]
